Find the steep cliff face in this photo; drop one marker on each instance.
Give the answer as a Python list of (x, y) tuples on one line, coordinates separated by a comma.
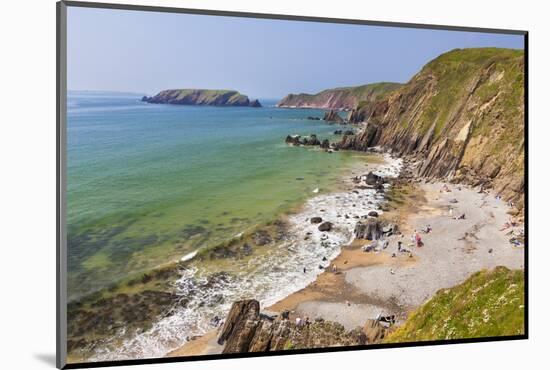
[(461, 116), (339, 98), (202, 97)]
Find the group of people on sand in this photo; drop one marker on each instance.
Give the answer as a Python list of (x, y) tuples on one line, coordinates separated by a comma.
[(302, 322)]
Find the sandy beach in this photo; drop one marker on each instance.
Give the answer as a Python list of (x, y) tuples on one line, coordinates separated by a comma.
[(377, 283), (365, 285)]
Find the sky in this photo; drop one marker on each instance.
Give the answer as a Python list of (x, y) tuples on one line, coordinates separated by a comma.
[(145, 52)]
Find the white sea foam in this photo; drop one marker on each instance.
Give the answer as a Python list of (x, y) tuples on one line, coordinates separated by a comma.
[(268, 278), (189, 256)]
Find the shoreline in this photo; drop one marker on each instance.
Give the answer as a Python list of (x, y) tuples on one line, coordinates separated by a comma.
[(381, 163), (366, 285), (213, 271)]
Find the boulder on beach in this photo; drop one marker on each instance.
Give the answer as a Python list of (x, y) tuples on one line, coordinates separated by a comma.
[(370, 229), (372, 214), (372, 179), (316, 220), (325, 226)]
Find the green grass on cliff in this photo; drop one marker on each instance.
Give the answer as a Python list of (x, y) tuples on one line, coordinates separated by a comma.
[(489, 303), (456, 73), (368, 92)]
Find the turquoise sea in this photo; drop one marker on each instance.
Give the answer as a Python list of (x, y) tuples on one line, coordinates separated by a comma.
[(148, 184)]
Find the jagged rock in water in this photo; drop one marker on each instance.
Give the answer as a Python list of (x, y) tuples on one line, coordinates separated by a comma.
[(325, 226), (325, 144), (255, 103), (246, 330), (293, 139), (313, 118), (311, 140), (370, 229), (333, 116)]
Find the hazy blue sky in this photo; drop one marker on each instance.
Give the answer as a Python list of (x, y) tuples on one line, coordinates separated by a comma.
[(145, 52)]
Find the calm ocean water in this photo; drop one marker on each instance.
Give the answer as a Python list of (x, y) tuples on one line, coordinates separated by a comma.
[(151, 183)]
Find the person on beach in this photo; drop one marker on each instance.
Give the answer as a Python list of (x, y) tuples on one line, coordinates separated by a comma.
[(418, 239), (399, 246), (334, 268), (298, 321), (305, 270)]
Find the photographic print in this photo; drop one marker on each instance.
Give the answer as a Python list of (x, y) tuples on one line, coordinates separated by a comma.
[(243, 185)]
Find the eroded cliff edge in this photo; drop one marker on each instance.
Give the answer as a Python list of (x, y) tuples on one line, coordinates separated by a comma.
[(461, 117)]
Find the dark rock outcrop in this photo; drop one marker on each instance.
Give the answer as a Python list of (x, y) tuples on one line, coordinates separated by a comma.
[(325, 226), (373, 179), (370, 229), (316, 220), (247, 330), (240, 326), (311, 140), (293, 139), (333, 116)]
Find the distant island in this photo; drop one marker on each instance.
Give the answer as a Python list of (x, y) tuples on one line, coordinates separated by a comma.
[(202, 97), (339, 98)]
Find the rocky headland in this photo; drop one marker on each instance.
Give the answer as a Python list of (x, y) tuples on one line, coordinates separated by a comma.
[(202, 97), (342, 98)]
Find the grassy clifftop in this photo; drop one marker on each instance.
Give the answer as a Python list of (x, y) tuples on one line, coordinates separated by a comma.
[(202, 97), (489, 303), (339, 98)]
